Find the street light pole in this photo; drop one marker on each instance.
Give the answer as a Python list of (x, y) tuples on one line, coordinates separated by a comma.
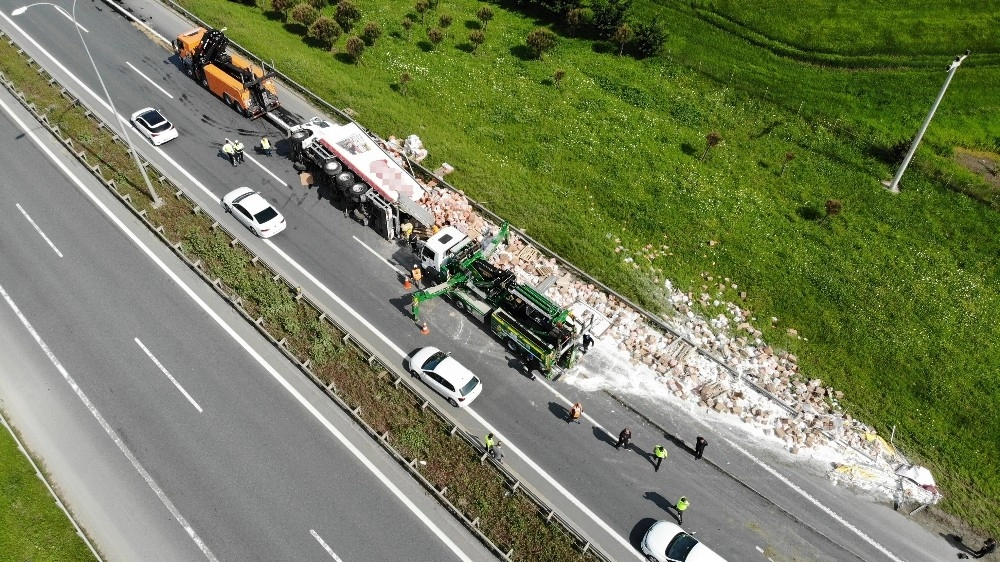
[(893, 186), (156, 201)]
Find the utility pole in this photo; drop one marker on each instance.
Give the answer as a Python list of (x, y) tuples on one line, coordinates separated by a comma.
[(893, 186)]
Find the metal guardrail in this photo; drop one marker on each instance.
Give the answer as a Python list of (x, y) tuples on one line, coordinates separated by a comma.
[(374, 361)]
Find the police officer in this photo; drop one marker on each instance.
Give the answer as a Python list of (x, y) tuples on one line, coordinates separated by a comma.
[(238, 148), (660, 453), (679, 507), (230, 151), (265, 146)]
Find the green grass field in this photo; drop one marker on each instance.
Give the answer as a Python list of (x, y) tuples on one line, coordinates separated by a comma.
[(32, 527), (897, 297)]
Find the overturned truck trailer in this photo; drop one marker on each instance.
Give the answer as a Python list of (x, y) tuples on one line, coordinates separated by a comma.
[(357, 173)]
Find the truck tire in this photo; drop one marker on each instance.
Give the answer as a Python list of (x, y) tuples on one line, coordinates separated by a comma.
[(460, 306), (204, 83), (511, 344)]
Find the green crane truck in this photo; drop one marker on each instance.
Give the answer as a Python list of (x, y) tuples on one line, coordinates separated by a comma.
[(527, 321)]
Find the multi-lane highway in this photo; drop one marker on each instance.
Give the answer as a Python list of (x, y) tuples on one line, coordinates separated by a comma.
[(174, 432), (747, 503)]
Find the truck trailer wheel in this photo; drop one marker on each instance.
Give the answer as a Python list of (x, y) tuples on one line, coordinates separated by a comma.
[(511, 344), (204, 83), (460, 305)]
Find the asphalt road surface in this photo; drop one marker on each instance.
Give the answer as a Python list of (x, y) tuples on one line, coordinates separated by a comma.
[(174, 431), (748, 505)]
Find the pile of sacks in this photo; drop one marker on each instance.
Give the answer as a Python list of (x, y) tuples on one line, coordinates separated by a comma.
[(759, 386)]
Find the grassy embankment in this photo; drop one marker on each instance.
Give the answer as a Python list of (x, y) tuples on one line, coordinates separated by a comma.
[(895, 298), (445, 460), (32, 527)]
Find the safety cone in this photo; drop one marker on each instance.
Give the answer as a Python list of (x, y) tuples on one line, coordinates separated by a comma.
[(406, 283), (425, 330)]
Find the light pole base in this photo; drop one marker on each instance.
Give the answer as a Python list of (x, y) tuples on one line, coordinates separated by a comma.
[(887, 184)]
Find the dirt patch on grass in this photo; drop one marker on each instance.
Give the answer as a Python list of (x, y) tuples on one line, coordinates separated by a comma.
[(984, 164)]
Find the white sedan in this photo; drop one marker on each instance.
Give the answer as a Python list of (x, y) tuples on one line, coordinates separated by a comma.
[(151, 123), (445, 375), (667, 542), (254, 212)]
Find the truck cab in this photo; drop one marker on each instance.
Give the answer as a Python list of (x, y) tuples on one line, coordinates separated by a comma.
[(439, 249)]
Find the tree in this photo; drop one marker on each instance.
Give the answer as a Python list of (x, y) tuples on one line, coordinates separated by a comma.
[(404, 79), (435, 36), (444, 20), (789, 156), (649, 38), (371, 32), (557, 76), (282, 7), (325, 30), (622, 36), (540, 41), (477, 38), (484, 14), (347, 14), (318, 4), (305, 14), (421, 7), (578, 18), (355, 47), (711, 141), (833, 207), (407, 24), (609, 15)]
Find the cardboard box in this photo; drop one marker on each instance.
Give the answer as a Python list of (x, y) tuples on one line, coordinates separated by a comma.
[(306, 179)]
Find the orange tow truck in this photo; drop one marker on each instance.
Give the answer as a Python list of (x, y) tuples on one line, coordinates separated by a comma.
[(240, 83)]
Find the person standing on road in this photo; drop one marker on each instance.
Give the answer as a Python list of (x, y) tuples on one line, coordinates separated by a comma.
[(587, 343), (575, 412), (230, 151), (497, 452), (988, 547), (489, 443), (624, 438), (238, 147), (681, 505), (699, 447), (418, 276), (265, 146), (660, 453)]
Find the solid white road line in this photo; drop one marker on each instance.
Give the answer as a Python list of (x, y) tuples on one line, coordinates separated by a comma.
[(261, 166), (148, 79), (444, 538), (325, 546), (815, 502), (42, 234), (69, 17), (165, 372), (398, 270), (104, 423)]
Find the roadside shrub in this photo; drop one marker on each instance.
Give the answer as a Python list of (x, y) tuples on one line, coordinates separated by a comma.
[(609, 15), (476, 38), (347, 14), (325, 30), (540, 41), (371, 32), (648, 38), (578, 20), (305, 14), (282, 7), (355, 47), (435, 36), (484, 14)]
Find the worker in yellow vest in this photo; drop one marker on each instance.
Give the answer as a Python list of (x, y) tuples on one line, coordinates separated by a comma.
[(238, 149), (265, 146), (230, 151), (681, 505), (660, 453)]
